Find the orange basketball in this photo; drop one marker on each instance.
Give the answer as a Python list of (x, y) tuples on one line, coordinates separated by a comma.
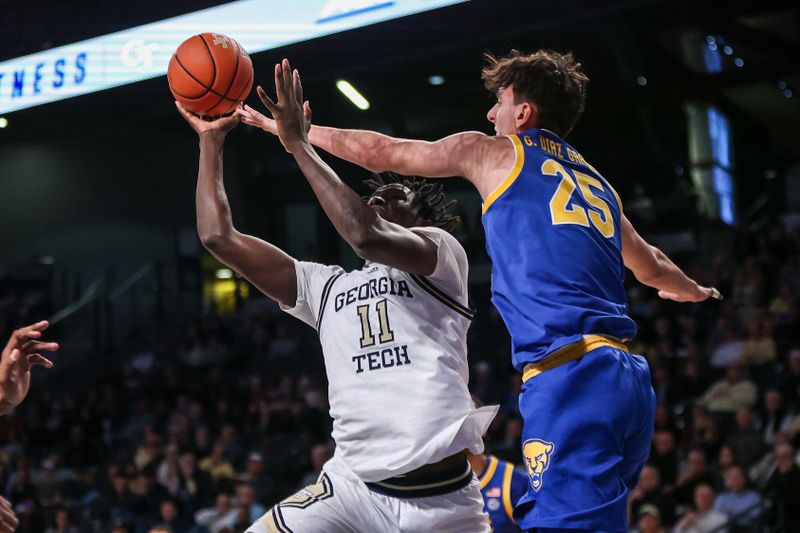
[(210, 74)]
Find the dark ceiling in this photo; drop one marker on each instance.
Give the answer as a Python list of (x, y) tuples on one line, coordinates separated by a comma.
[(634, 53)]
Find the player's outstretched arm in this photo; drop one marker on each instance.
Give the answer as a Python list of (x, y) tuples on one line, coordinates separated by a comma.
[(19, 356), (653, 268), (266, 266), (371, 236), (471, 155)]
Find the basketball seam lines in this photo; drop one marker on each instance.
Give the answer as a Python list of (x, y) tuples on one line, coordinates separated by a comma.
[(203, 85), (233, 78), (186, 70), (213, 63), (239, 96)]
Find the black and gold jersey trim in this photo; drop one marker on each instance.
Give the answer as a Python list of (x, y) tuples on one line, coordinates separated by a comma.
[(326, 291), (440, 295), (274, 522), (322, 490), (451, 480)]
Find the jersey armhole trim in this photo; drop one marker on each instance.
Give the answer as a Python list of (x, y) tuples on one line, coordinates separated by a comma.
[(488, 473), (440, 295), (519, 161), (326, 291), (507, 491)]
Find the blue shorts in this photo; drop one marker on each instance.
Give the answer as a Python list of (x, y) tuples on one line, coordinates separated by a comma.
[(586, 436)]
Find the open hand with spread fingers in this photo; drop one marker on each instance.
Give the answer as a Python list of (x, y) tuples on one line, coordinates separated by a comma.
[(292, 115), (20, 354)]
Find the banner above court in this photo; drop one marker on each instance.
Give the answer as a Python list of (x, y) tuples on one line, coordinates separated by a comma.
[(143, 52)]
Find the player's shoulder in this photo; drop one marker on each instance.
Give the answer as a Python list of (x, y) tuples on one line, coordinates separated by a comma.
[(442, 237), (318, 268)]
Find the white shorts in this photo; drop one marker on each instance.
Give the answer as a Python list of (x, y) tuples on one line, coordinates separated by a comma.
[(341, 503)]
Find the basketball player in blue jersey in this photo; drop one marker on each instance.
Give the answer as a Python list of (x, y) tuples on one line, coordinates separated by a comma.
[(559, 243), (501, 486)]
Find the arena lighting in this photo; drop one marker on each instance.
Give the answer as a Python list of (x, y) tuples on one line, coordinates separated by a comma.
[(3, 122), (143, 52), (352, 94), (224, 273)]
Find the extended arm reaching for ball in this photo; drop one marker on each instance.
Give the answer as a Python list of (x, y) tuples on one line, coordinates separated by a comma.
[(485, 162), (266, 266), (371, 236)]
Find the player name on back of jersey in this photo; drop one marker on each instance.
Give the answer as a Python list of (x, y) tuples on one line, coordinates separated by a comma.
[(557, 149)]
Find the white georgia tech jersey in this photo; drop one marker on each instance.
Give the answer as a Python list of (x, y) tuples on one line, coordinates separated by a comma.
[(395, 348)]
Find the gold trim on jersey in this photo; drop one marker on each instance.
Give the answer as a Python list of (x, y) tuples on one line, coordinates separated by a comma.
[(507, 491), (519, 161), (486, 477), (273, 521), (570, 352), (321, 490)]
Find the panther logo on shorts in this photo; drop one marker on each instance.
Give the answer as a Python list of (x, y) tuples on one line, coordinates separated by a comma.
[(537, 454)]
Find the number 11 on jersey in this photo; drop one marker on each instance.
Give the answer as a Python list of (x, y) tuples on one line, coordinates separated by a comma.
[(386, 333)]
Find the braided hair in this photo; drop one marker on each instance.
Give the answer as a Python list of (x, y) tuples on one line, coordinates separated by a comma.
[(428, 200)]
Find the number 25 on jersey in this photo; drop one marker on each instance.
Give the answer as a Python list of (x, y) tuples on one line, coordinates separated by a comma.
[(563, 211)]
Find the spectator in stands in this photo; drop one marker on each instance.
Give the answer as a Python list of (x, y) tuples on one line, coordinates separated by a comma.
[(214, 519), (692, 382), (725, 458), (198, 483), (246, 501), (664, 457), (703, 519), (791, 381), (728, 349), (254, 475), (746, 441), (695, 473), (776, 418), (730, 394), (741, 505), (216, 464), (664, 420), (649, 520), (319, 455), (170, 517), (783, 489), (648, 491), (759, 346)]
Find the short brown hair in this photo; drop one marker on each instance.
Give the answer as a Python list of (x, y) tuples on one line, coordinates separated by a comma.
[(552, 81)]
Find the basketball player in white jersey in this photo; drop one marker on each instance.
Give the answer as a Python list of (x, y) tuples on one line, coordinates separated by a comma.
[(393, 336)]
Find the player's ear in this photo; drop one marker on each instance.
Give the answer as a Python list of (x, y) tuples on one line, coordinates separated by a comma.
[(526, 116)]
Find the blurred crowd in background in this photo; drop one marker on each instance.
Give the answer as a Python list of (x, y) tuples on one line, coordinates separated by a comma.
[(203, 436)]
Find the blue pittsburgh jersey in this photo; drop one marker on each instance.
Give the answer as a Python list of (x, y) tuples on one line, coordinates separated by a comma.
[(553, 232), (501, 486)]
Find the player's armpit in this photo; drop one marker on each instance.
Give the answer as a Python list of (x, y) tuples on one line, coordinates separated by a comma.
[(266, 266)]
